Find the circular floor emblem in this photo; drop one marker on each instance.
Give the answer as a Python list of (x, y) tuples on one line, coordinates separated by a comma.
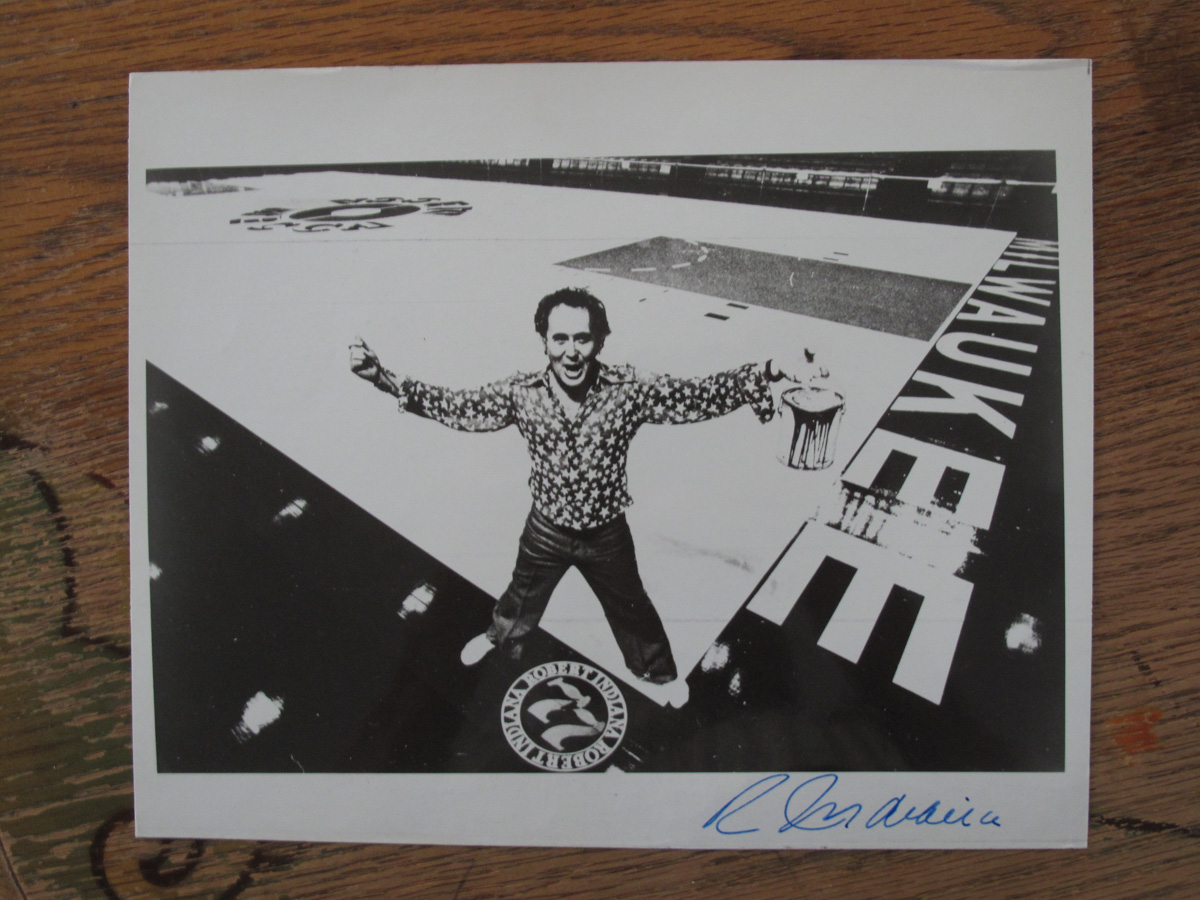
[(564, 716)]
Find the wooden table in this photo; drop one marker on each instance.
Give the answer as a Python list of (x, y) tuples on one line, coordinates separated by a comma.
[(65, 772)]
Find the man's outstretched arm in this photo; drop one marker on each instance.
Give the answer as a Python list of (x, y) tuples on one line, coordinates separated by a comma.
[(488, 408), (680, 400)]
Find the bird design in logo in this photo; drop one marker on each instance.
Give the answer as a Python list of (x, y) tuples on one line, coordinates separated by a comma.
[(573, 700), (564, 716)]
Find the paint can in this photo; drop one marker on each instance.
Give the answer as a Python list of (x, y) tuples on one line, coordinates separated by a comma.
[(809, 426)]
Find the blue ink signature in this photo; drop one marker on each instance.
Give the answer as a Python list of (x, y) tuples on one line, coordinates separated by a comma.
[(810, 807)]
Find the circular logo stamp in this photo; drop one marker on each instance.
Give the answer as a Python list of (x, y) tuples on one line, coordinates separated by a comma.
[(564, 716)]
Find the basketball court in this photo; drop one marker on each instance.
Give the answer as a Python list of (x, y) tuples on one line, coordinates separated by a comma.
[(691, 286)]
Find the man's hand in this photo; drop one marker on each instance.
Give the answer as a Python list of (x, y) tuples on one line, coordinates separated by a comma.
[(366, 365), (802, 370)]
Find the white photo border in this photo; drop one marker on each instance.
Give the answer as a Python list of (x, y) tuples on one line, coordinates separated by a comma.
[(297, 117)]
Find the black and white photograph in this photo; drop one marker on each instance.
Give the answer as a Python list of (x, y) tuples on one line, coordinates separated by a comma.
[(710, 462)]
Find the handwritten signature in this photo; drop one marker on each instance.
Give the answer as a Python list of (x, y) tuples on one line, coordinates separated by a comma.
[(810, 806)]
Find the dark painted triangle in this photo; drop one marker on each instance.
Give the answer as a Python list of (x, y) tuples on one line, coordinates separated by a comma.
[(267, 581)]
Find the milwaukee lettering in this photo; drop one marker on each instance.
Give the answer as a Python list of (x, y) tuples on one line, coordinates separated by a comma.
[(925, 485), (980, 317)]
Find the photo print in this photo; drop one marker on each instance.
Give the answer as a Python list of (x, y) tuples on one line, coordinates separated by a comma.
[(745, 471)]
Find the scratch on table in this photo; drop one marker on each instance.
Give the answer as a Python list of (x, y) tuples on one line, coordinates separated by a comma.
[(463, 881), (1144, 826)]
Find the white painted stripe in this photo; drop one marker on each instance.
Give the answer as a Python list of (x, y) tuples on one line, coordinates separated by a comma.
[(779, 593), (854, 619), (925, 665)]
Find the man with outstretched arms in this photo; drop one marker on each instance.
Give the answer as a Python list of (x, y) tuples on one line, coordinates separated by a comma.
[(578, 416)]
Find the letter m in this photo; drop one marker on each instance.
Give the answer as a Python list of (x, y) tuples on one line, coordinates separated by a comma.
[(1016, 288)]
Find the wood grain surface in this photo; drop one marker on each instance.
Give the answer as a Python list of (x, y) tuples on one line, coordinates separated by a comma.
[(65, 774)]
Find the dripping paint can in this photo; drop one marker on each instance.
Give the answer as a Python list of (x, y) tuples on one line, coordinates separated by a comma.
[(809, 426)]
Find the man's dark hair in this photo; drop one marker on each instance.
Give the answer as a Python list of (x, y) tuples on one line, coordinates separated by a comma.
[(580, 298)]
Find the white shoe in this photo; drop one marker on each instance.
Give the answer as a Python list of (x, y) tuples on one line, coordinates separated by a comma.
[(676, 692), (476, 649), (673, 693)]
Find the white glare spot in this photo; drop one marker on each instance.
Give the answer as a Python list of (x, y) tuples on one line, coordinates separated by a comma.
[(418, 601), (735, 684), (209, 444), (157, 406), (155, 571), (1024, 634), (260, 712), (293, 510), (716, 657)]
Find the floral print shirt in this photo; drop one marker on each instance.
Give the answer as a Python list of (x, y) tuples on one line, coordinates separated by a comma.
[(578, 478)]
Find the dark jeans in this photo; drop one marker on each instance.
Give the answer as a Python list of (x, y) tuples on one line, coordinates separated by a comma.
[(605, 557)]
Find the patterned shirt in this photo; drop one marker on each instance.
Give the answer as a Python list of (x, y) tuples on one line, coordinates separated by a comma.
[(578, 478)]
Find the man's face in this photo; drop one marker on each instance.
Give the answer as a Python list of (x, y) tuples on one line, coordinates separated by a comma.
[(570, 345)]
